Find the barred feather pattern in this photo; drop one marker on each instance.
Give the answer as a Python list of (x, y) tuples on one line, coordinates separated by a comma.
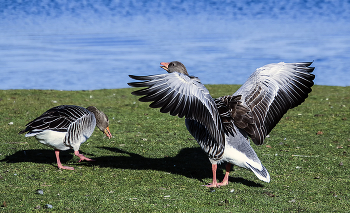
[(209, 145), (57, 118), (78, 122), (78, 132), (233, 113), (256, 107), (184, 96), (271, 91)]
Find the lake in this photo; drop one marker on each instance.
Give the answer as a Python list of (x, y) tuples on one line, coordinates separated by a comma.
[(88, 45)]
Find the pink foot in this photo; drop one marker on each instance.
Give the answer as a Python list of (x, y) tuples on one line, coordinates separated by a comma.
[(225, 180), (59, 164), (210, 185), (82, 157), (223, 183), (214, 183), (66, 167)]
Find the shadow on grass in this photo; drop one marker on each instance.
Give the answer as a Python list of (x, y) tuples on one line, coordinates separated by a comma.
[(189, 162), (39, 156)]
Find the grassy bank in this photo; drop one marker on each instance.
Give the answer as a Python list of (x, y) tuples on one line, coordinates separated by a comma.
[(152, 164)]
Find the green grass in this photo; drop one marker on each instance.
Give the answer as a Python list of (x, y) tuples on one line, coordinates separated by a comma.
[(152, 164)]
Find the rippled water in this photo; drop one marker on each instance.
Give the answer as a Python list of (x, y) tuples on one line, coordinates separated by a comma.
[(82, 45)]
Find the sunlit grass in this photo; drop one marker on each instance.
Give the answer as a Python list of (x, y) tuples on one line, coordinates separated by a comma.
[(152, 164)]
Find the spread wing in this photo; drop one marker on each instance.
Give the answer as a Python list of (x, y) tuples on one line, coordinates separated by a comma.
[(182, 95), (271, 91)]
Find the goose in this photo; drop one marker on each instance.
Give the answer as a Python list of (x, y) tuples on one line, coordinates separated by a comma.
[(67, 126), (222, 126)]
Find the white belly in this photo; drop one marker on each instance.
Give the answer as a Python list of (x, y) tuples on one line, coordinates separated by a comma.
[(53, 139), (240, 153)]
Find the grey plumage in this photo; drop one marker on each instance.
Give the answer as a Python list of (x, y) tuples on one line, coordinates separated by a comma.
[(67, 127), (271, 91), (222, 126), (181, 95)]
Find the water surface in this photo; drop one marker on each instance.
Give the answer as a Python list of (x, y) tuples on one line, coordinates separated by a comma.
[(86, 45)]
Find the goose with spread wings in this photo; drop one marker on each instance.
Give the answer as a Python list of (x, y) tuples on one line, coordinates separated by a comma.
[(67, 127), (223, 126)]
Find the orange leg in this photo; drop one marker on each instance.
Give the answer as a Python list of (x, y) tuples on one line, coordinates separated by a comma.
[(59, 164)]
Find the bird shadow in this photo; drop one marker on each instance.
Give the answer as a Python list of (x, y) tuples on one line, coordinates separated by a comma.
[(42, 156), (189, 162)]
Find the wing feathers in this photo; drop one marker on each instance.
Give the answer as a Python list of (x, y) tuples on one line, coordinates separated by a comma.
[(256, 107), (271, 91), (183, 96), (58, 118)]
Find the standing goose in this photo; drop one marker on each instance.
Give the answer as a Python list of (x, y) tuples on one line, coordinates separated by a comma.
[(67, 126), (222, 126)]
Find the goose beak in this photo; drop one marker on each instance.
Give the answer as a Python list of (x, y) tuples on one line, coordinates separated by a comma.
[(108, 133), (165, 65)]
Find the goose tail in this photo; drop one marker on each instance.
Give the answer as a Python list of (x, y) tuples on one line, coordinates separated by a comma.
[(262, 173)]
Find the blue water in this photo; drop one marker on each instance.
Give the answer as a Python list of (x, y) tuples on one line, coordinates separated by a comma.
[(86, 45)]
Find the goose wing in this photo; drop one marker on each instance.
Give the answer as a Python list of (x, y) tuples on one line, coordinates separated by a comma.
[(182, 95), (271, 91), (80, 130), (57, 119)]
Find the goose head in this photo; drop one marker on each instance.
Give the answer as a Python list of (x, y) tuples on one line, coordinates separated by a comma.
[(174, 66), (102, 121)]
